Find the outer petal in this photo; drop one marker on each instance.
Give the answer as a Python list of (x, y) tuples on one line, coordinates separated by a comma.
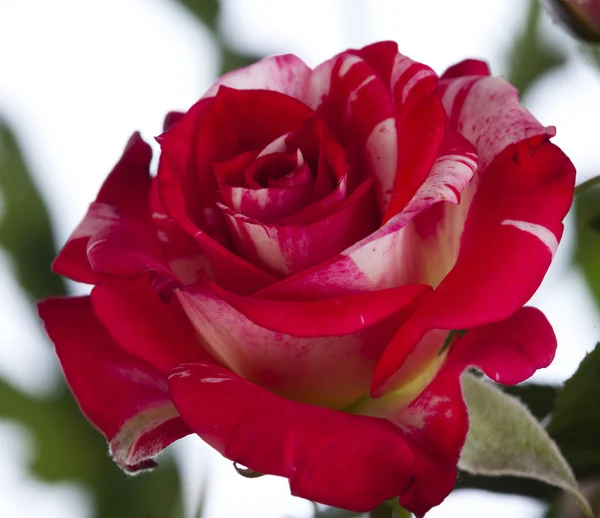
[(182, 253), (126, 398), (467, 67), (339, 459), (286, 74), (329, 363), (116, 236), (145, 326), (511, 234), (487, 112), (436, 423)]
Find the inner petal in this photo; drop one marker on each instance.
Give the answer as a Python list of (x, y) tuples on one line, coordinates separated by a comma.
[(265, 188), (284, 250)]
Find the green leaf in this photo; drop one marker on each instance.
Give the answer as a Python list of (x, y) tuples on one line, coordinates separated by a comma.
[(67, 447), (505, 439), (540, 401), (25, 230), (205, 10), (575, 423), (587, 244), (530, 57)]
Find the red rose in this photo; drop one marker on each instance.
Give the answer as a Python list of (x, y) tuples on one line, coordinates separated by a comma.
[(285, 285)]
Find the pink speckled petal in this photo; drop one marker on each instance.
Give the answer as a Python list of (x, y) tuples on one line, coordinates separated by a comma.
[(317, 351)]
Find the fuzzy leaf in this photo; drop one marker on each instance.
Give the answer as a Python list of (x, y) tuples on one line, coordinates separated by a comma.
[(505, 439)]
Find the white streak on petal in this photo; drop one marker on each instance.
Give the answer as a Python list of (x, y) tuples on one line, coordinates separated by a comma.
[(401, 65), (299, 158), (545, 235), (214, 380), (277, 146), (236, 199), (382, 152), (410, 84), (354, 94), (348, 63), (98, 216)]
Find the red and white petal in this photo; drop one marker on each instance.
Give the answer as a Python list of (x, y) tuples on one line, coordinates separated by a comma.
[(349, 461), (283, 250), (487, 112), (431, 240), (123, 396), (145, 326), (420, 128), (182, 253), (382, 260), (329, 364), (185, 180), (510, 236), (117, 220), (281, 196), (435, 423), (286, 74), (357, 107)]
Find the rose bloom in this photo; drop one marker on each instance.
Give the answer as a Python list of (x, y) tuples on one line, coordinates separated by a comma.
[(284, 287)]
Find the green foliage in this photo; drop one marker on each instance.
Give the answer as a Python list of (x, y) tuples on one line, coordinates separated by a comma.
[(539, 399), (25, 230), (66, 446), (575, 421), (587, 246), (207, 12), (530, 57), (505, 439)]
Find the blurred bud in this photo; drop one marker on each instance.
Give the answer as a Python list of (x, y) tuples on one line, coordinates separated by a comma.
[(580, 17)]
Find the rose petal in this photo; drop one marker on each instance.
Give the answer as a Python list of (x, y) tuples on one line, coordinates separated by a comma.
[(430, 242), (381, 260), (126, 398), (182, 253), (143, 325), (513, 229), (509, 351), (179, 193), (420, 129), (467, 67), (280, 198), (487, 112), (324, 317), (436, 423), (283, 250), (332, 364), (286, 74), (330, 457), (116, 236), (355, 104)]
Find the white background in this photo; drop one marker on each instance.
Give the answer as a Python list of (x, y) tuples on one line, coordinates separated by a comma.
[(78, 77)]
